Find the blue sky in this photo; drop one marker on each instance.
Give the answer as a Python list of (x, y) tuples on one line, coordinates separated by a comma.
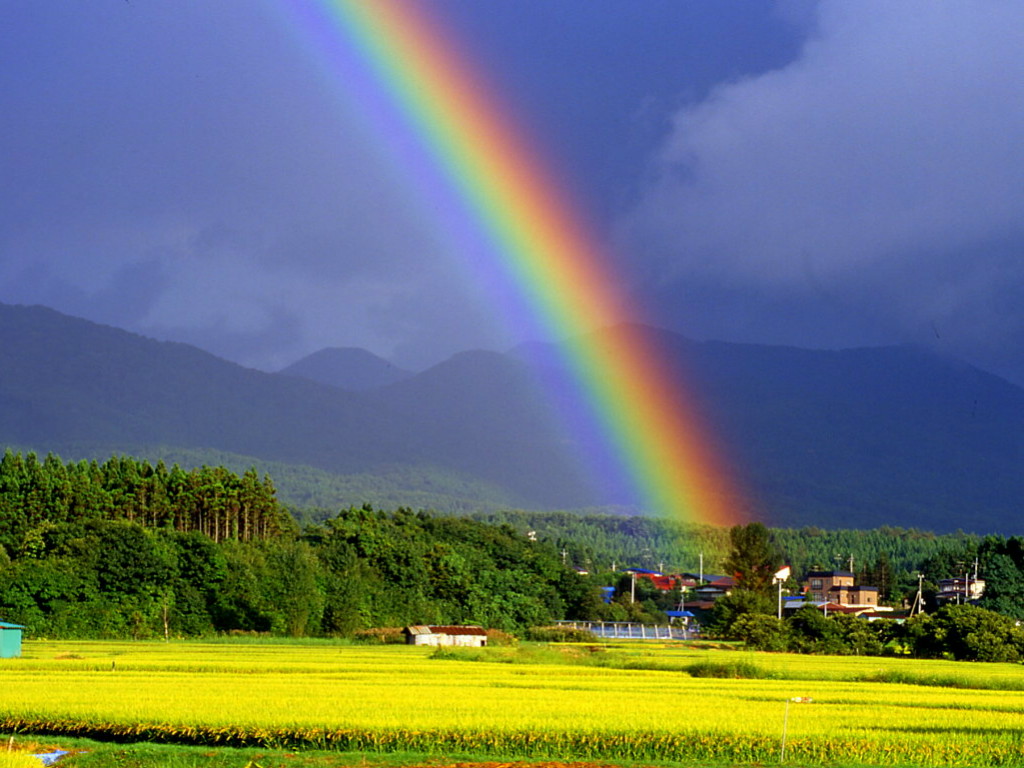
[(822, 174)]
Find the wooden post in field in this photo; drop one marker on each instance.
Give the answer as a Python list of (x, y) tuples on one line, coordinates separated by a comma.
[(785, 722)]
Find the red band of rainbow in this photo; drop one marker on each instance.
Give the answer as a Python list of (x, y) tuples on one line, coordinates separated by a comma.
[(527, 227)]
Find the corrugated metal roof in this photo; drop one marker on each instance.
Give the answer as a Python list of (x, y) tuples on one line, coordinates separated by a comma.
[(419, 629), (8, 625), (459, 630)]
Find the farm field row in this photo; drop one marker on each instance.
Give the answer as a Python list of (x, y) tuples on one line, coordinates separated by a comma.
[(399, 698)]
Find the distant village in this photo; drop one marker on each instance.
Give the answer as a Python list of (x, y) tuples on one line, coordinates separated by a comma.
[(828, 591), (832, 592)]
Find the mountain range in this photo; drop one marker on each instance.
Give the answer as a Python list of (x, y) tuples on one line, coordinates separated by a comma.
[(853, 438)]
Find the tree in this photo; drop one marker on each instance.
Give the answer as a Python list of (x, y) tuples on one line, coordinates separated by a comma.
[(969, 633), (727, 610), (201, 569), (761, 632), (880, 575), (859, 636), (753, 559), (813, 632), (1002, 562)]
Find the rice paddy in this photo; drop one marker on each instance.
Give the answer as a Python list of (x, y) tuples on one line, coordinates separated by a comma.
[(400, 698)]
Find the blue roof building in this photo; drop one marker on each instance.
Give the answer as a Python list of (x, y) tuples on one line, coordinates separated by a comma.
[(10, 640)]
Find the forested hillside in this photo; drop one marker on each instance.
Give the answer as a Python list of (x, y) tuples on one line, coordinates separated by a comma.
[(597, 541), (848, 438), (86, 390)]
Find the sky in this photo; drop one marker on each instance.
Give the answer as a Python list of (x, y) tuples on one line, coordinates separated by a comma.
[(820, 174)]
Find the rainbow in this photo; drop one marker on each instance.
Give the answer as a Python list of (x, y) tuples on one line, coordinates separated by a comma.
[(457, 140)]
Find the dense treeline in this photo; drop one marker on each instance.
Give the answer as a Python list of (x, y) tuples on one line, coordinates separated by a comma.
[(393, 569), (887, 557), (364, 568), (962, 632), (602, 542), (211, 500), (124, 548)]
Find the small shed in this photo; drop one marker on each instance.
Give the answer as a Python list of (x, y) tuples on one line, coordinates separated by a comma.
[(10, 640), (434, 635)]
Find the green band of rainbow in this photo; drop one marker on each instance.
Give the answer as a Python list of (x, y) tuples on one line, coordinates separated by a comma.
[(557, 267)]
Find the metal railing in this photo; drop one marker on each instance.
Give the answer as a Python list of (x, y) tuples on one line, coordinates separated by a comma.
[(629, 630)]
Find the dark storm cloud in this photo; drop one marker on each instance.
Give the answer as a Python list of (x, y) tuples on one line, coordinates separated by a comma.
[(833, 175), (188, 172), (277, 333), (869, 191)]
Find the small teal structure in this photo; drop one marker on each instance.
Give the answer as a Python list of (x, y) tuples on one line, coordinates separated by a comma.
[(10, 640)]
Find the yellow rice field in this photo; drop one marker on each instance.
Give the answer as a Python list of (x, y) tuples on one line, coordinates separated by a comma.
[(397, 697)]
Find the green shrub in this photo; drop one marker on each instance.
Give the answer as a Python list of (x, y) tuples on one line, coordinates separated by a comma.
[(760, 632), (729, 669), (560, 635), (499, 638), (380, 635)]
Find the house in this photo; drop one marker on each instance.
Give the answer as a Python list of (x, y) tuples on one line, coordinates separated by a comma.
[(438, 635), (964, 589), (838, 587), (819, 583), (717, 586), (10, 640), (667, 583)]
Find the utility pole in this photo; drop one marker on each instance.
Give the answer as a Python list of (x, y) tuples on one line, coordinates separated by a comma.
[(918, 603), (701, 574), (968, 586), (682, 607)]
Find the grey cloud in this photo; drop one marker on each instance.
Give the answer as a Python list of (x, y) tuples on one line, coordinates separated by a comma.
[(882, 168), (186, 172), (273, 339)]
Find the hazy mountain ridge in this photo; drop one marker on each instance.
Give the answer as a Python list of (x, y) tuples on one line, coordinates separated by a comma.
[(72, 385), (347, 368), (893, 435), (850, 438)]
